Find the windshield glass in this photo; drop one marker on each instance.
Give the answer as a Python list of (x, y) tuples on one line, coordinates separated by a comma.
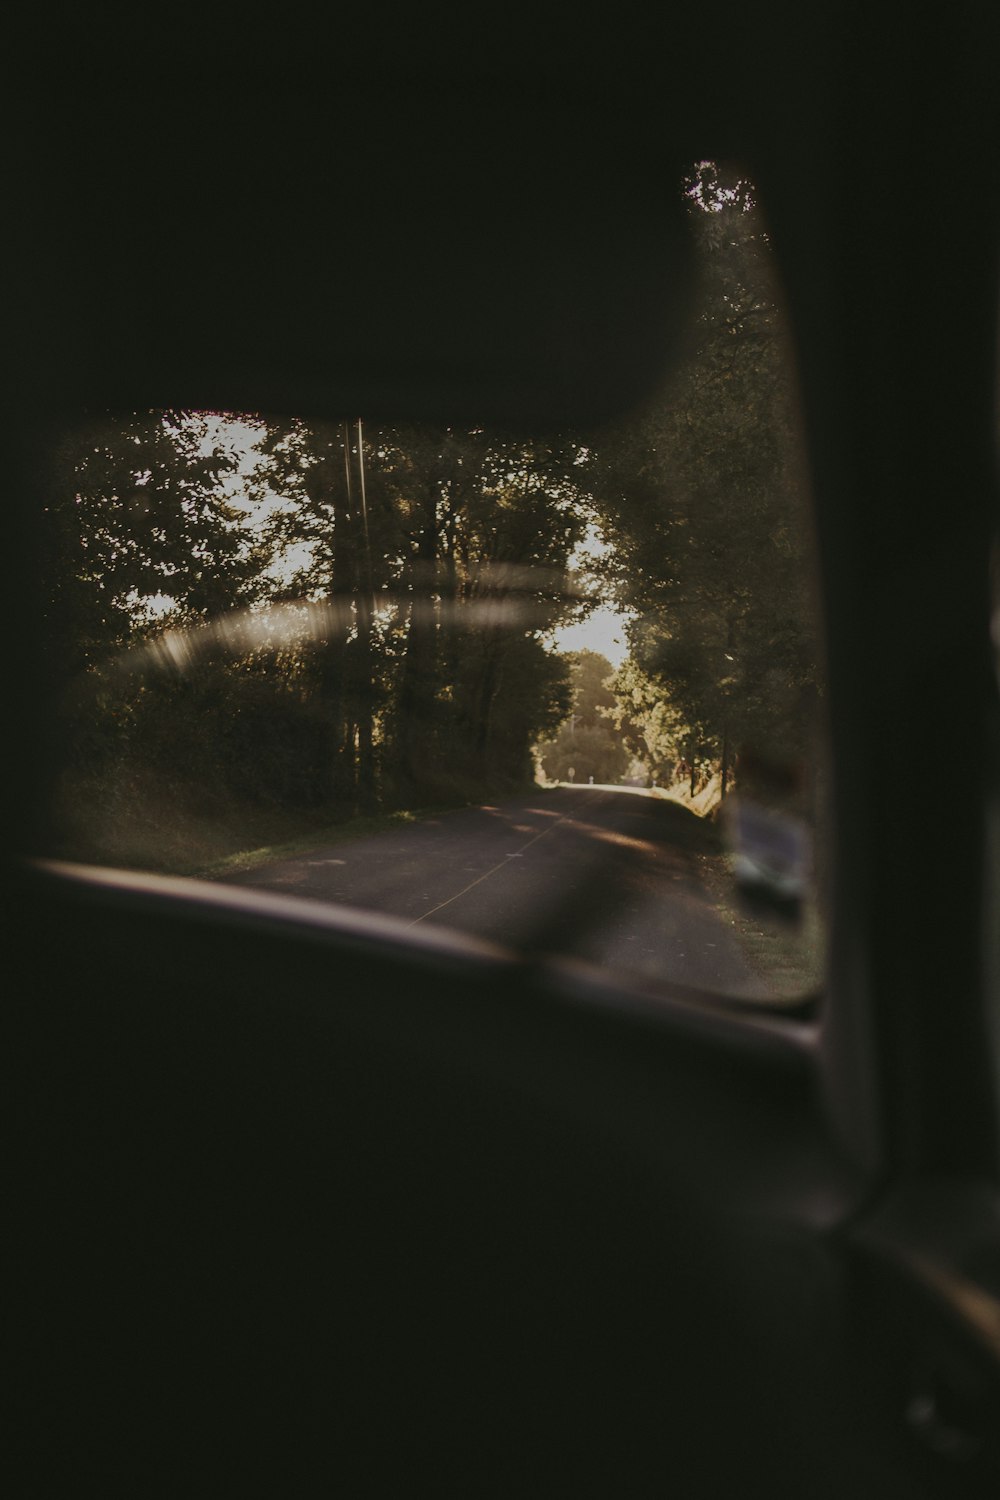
[(563, 693)]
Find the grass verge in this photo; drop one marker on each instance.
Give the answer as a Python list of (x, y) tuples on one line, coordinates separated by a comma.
[(788, 958)]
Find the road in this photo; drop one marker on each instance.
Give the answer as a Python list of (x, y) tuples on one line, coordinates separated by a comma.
[(603, 874)]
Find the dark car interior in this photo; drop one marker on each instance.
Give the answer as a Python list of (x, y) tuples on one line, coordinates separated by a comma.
[(309, 1204)]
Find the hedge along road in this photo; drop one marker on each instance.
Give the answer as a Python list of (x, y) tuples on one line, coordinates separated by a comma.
[(603, 874)]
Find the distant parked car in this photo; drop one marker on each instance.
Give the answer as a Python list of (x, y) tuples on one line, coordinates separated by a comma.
[(771, 853)]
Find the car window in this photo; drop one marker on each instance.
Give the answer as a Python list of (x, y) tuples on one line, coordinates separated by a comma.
[(562, 691)]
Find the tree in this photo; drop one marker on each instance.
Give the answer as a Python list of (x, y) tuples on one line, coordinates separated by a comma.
[(653, 731), (588, 743), (467, 540), (140, 527), (144, 536), (343, 548), (701, 498)]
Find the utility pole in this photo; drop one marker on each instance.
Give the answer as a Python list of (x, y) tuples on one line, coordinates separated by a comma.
[(364, 605)]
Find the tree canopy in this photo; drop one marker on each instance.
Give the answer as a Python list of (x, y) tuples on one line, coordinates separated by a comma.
[(396, 589), (701, 498)]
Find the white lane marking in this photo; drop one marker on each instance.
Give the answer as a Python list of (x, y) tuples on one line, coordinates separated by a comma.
[(502, 865)]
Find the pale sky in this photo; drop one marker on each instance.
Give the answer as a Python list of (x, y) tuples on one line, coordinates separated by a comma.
[(604, 631)]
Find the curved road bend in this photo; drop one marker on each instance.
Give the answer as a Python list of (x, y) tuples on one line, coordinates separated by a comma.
[(603, 874)]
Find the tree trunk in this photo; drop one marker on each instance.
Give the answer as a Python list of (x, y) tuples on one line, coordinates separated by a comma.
[(367, 794), (489, 685)]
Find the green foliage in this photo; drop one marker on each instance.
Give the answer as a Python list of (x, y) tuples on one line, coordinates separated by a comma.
[(466, 539), (652, 729), (701, 499), (593, 699), (588, 743), (584, 753), (141, 525)]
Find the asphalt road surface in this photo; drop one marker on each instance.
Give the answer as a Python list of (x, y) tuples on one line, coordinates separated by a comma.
[(603, 874)]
